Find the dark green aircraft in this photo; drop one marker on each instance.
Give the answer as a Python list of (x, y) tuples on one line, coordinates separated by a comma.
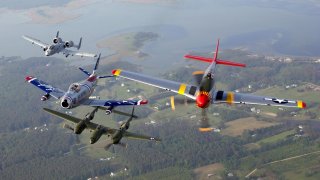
[(98, 130)]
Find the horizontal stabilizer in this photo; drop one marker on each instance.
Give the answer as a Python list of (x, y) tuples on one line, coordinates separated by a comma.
[(199, 58), (84, 71), (218, 61), (230, 63)]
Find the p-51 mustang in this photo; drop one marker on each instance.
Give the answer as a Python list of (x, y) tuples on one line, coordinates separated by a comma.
[(59, 46), (79, 92), (204, 94), (98, 130)]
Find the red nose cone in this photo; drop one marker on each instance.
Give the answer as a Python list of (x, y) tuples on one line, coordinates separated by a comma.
[(203, 100), (114, 71)]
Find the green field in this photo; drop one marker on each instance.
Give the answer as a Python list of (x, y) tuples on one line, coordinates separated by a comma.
[(277, 137)]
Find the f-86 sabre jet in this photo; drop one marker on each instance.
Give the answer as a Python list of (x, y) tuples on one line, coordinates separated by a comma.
[(79, 92), (98, 130), (59, 46), (204, 94)]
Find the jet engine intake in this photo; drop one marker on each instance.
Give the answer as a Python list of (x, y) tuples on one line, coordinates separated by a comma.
[(56, 40), (69, 44), (65, 103)]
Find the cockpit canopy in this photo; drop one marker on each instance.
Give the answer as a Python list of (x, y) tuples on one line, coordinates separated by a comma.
[(51, 47), (75, 87)]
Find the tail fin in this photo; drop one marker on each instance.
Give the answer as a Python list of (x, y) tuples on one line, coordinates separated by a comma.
[(79, 45), (97, 63), (215, 59), (57, 35), (84, 71)]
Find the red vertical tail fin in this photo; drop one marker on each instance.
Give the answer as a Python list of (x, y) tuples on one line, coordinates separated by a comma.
[(215, 58)]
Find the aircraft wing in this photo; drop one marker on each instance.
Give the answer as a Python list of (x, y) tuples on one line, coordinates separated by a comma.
[(180, 88), (35, 41), (108, 103), (68, 52), (63, 115), (90, 125), (52, 91), (239, 98), (139, 136)]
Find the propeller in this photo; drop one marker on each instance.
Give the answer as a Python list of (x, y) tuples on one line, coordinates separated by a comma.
[(204, 122), (107, 147), (67, 126), (198, 75)]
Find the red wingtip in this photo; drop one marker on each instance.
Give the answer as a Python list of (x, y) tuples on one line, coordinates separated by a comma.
[(144, 101), (304, 105), (114, 71), (28, 78)]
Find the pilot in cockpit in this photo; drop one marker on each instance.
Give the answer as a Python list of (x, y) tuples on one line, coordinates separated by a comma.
[(75, 87)]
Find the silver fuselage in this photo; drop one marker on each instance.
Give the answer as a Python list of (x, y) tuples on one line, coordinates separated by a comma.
[(55, 48), (79, 92)]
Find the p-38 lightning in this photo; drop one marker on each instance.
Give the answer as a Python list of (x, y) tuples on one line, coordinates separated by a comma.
[(98, 130), (59, 46), (79, 92), (204, 94)]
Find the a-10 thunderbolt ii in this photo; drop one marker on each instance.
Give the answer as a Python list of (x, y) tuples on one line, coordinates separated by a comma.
[(98, 130), (59, 46), (204, 94), (79, 92)]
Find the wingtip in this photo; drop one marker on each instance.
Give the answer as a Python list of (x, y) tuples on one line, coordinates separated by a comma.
[(143, 102), (28, 78), (116, 72), (301, 104)]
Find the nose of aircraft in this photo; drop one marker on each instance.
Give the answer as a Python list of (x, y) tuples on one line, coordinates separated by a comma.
[(65, 103)]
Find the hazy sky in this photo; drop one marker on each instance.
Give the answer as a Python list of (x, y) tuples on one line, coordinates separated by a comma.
[(186, 24)]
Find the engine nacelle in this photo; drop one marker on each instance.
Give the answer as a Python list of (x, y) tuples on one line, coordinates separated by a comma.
[(45, 97), (57, 40), (69, 44), (44, 49), (97, 133), (80, 127), (109, 110)]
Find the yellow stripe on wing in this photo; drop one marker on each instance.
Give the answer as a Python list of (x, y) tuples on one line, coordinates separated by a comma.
[(230, 97), (182, 88)]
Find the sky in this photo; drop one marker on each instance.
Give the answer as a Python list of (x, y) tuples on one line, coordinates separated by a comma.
[(279, 26)]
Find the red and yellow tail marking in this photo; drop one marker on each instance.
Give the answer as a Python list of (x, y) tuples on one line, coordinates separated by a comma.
[(116, 72), (301, 104), (230, 97), (182, 89)]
